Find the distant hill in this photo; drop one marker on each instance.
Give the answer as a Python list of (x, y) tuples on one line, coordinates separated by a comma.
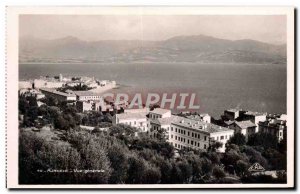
[(199, 48)]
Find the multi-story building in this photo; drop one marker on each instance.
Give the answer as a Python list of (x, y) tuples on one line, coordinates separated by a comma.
[(138, 110), (254, 117), (246, 128), (47, 83), (232, 114), (202, 117), (275, 127), (138, 120), (159, 113), (89, 105), (157, 125), (198, 134), (87, 95), (60, 96)]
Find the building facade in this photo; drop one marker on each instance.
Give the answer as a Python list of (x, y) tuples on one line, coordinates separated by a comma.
[(246, 128), (188, 133), (138, 120)]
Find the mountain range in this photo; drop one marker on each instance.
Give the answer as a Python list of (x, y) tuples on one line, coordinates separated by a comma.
[(200, 48)]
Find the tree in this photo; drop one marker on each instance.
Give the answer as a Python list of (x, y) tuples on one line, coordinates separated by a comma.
[(254, 156), (242, 167), (218, 173), (119, 164), (266, 140), (96, 130), (237, 139), (137, 167), (151, 175), (214, 146)]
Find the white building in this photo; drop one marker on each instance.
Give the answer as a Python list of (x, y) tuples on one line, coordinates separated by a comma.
[(25, 84), (255, 117), (202, 117), (138, 120), (198, 135), (159, 113), (137, 110), (89, 105), (87, 95), (246, 128), (44, 83)]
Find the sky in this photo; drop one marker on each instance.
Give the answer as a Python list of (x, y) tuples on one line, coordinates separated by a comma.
[(271, 29)]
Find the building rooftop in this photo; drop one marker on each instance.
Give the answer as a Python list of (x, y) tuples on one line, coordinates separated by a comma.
[(85, 93), (229, 122), (167, 120), (254, 113), (197, 117), (200, 126), (131, 116), (56, 92), (245, 124), (233, 110), (160, 111)]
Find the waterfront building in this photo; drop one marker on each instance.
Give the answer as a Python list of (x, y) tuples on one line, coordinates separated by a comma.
[(47, 83), (25, 84)]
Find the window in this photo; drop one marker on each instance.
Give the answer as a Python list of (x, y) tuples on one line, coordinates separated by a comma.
[(204, 138), (198, 136), (176, 130), (222, 137), (218, 138), (175, 145), (188, 133), (192, 142), (188, 141), (204, 146), (198, 144), (192, 134), (184, 132), (175, 137), (171, 136), (171, 128)]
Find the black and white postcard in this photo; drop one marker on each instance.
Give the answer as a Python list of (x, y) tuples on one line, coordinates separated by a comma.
[(150, 97)]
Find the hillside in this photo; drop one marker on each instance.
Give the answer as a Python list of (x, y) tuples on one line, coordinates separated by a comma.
[(177, 49)]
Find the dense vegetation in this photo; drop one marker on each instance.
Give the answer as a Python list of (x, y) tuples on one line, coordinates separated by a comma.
[(122, 155)]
